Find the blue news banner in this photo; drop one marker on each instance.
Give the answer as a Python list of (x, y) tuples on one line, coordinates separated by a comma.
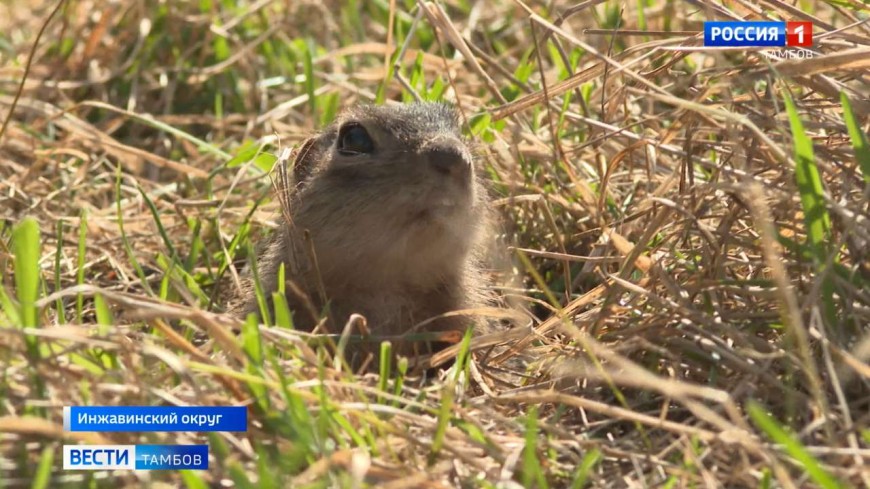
[(146, 418)]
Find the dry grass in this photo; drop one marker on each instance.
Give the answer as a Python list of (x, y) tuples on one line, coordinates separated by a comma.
[(699, 298)]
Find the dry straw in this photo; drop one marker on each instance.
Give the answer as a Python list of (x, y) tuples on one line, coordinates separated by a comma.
[(688, 226)]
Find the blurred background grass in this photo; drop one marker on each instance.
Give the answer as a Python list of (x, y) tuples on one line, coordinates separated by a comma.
[(688, 233)]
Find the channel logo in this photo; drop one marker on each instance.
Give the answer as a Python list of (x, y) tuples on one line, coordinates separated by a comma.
[(135, 457), (758, 34)]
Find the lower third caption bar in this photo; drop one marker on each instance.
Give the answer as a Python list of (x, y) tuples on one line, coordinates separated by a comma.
[(135, 457)]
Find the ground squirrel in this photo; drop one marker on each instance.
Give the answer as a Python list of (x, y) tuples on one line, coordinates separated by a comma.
[(390, 202)]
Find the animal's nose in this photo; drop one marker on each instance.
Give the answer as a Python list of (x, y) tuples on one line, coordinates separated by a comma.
[(448, 159)]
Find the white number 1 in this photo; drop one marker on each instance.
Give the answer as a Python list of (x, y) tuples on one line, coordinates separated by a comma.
[(799, 30)]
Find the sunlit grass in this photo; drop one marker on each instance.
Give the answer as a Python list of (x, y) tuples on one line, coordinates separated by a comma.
[(136, 184)]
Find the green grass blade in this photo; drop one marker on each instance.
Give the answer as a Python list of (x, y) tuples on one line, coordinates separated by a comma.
[(386, 361), (533, 474), (444, 410), (9, 308), (104, 314), (859, 138), (282, 291), (245, 153), (126, 242), (590, 459), (809, 184), (308, 65), (192, 480), (156, 214), (251, 340), (80, 262), (176, 276), (816, 218), (240, 477), (43, 471), (61, 313), (402, 371), (791, 445), (463, 355), (283, 317), (265, 317), (252, 151), (27, 249), (252, 344), (149, 120), (196, 245)]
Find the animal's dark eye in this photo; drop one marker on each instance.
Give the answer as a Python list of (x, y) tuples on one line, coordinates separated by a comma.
[(353, 139)]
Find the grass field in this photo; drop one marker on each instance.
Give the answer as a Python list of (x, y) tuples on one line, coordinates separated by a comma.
[(687, 227)]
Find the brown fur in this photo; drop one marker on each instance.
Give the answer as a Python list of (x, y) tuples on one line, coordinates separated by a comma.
[(393, 239)]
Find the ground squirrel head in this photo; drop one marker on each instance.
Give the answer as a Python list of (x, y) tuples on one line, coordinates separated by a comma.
[(384, 216), (391, 190)]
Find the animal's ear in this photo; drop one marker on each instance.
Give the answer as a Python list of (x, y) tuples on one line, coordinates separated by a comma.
[(305, 160)]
